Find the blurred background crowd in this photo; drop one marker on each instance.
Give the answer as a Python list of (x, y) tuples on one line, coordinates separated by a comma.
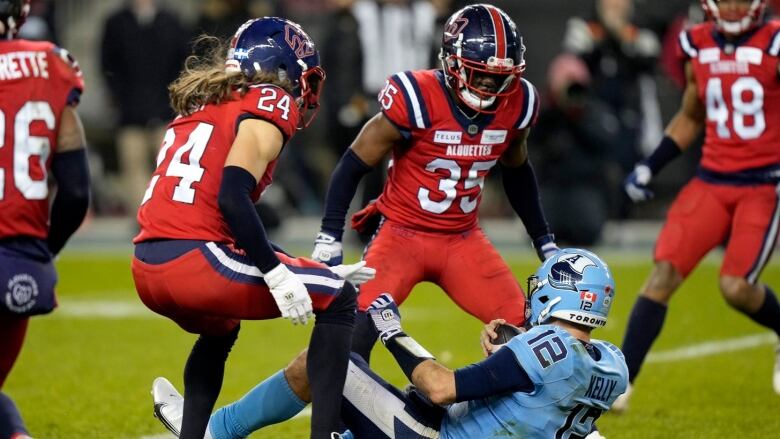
[(607, 70)]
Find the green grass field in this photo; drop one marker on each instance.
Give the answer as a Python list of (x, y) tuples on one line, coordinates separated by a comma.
[(86, 370)]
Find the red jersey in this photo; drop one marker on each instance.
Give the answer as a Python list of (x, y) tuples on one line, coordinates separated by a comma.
[(436, 175), (740, 87), (181, 200), (37, 81)]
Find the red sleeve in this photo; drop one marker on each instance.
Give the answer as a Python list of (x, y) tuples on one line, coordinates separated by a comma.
[(272, 104), (68, 70), (392, 101)]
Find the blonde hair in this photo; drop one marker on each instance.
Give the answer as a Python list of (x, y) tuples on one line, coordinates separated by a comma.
[(204, 79)]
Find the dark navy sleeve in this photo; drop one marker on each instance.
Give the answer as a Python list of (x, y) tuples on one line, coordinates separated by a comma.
[(498, 374)]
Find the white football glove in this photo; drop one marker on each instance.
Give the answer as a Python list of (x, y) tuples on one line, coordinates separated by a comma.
[(636, 183), (357, 274), (385, 317), (327, 250), (290, 294)]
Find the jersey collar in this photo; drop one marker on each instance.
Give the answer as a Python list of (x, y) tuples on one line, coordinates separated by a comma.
[(481, 121)]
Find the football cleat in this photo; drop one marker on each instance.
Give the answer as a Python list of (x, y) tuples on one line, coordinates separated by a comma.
[(595, 434), (776, 376), (621, 402), (168, 405)]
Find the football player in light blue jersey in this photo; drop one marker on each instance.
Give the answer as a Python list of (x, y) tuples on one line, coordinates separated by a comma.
[(552, 381)]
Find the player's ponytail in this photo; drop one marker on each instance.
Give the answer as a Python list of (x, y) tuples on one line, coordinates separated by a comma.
[(204, 79)]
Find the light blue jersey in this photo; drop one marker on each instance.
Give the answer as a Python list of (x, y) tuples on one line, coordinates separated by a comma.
[(572, 389)]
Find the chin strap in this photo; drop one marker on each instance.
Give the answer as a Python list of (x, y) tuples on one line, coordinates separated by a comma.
[(546, 311), (474, 101)]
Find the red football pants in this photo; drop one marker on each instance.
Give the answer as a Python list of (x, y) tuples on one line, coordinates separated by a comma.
[(465, 265), (705, 215), (209, 290)]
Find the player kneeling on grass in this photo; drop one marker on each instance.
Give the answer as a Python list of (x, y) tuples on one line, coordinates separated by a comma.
[(551, 381)]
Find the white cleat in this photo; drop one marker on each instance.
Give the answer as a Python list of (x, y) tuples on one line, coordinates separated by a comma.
[(595, 435), (168, 405), (776, 375), (621, 402)]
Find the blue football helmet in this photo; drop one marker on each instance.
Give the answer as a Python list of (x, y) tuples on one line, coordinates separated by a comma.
[(13, 13), (481, 40), (273, 44), (573, 285)]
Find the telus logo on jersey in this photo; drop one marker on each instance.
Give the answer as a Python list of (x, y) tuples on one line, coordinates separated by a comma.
[(21, 294), (448, 137)]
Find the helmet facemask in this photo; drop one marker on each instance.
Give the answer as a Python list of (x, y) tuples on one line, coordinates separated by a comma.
[(309, 89), (469, 73), (735, 25)]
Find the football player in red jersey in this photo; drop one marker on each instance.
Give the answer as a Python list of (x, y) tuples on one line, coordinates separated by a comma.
[(733, 94), (40, 134), (202, 257), (446, 130)]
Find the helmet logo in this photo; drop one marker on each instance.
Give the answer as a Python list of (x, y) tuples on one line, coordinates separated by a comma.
[(297, 42), (567, 271), (455, 27)]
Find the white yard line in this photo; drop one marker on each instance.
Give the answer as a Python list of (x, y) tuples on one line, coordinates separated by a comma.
[(712, 348)]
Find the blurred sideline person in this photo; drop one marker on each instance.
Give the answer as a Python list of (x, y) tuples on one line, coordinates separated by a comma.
[(575, 134), (40, 135), (202, 257), (552, 381), (445, 129), (142, 51), (733, 91)]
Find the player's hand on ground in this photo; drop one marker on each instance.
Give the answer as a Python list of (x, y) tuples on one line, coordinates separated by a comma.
[(328, 250), (385, 317), (290, 294), (636, 183), (357, 274), (545, 246), (488, 334)]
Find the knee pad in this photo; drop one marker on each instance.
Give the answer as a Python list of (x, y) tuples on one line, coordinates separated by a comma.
[(342, 309)]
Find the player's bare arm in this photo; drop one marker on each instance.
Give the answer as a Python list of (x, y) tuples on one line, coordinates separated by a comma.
[(435, 381), (686, 125), (71, 134), (257, 143), (517, 153), (375, 140)]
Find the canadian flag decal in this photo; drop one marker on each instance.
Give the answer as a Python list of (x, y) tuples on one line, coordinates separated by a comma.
[(587, 296)]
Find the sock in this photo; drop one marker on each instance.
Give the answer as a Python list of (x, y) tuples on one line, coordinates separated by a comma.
[(644, 325), (270, 402), (326, 362), (364, 336), (769, 313), (10, 420), (12, 332), (203, 380)]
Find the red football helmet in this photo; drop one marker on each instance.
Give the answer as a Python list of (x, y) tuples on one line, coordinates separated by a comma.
[(12, 16), (735, 24)]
